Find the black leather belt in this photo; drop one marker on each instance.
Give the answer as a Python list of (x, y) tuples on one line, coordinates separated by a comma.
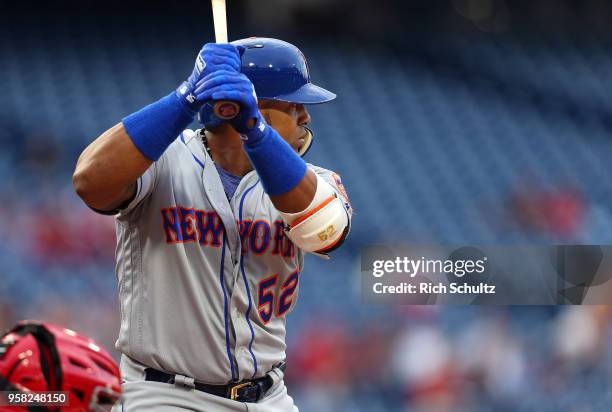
[(245, 391)]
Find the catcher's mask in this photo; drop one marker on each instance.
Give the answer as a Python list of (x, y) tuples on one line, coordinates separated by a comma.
[(44, 357)]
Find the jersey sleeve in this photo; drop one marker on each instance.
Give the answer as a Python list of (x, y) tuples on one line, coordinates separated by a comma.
[(148, 182), (144, 186)]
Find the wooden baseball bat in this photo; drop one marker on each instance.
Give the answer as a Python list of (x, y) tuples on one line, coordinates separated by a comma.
[(224, 109)]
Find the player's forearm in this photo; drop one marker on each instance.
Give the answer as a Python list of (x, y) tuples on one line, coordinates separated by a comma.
[(298, 198), (108, 168), (283, 173)]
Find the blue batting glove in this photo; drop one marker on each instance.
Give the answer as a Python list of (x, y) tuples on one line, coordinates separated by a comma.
[(211, 58), (235, 87), (277, 163)]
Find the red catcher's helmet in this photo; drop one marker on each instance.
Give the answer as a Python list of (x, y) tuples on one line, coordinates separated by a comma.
[(44, 357)]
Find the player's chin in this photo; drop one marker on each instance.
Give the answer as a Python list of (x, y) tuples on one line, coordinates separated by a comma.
[(299, 140)]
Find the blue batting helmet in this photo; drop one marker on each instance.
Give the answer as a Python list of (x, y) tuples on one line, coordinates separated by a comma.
[(278, 71)]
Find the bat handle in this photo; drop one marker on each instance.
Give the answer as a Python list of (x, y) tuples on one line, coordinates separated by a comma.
[(226, 110)]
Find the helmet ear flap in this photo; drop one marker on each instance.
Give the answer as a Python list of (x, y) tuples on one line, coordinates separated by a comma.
[(308, 139)]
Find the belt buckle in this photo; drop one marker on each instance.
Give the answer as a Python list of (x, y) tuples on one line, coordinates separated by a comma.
[(248, 386)]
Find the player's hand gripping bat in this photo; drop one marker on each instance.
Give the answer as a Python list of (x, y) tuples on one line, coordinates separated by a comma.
[(224, 109)]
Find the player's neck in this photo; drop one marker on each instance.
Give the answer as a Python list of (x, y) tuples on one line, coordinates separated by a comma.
[(225, 147)]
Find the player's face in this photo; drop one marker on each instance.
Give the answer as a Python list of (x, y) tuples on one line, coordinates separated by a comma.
[(288, 119)]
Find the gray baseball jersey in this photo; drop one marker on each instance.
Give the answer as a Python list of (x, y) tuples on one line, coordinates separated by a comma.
[(205, 283)]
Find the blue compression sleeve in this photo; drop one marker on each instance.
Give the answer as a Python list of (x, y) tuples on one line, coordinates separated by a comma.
[(156, 126), (279, 167)]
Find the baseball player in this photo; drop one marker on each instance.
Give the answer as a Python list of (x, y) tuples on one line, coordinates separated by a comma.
[(38, 356), (212, 228)]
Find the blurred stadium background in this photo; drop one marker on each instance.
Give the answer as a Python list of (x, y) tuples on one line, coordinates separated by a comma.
[(463, 121)]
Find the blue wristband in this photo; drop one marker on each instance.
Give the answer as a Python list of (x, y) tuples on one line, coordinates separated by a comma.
[(279, 167), (154, 127)]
